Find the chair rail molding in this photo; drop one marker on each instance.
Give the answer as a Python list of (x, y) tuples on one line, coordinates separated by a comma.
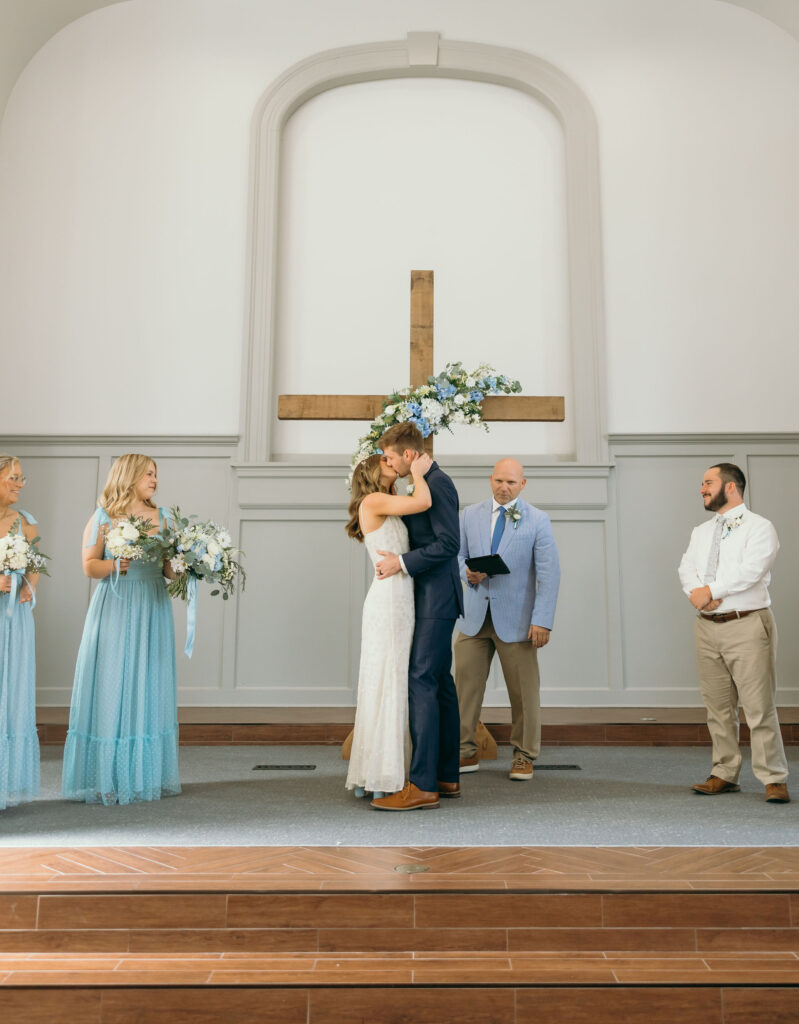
[(426, 55)]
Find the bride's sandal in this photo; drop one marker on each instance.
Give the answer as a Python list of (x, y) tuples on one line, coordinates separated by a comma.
[(360, 792)]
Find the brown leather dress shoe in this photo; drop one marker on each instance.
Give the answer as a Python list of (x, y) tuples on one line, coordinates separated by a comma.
[(776, 793), (449, 790), (713, 785), (409, 798)]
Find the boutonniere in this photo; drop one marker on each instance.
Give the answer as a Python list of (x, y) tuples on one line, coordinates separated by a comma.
[(409, 490), (731, 524), (514, 514)]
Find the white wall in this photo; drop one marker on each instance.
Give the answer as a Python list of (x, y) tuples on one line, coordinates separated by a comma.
[(123, 202), (383, 177)]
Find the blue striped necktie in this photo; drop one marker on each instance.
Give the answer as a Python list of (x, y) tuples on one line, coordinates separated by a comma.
[(499, 529)]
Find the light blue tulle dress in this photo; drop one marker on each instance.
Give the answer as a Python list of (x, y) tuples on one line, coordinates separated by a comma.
[(19, 743), (122, 743)]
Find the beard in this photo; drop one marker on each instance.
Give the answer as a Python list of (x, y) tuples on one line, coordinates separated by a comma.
[(717, 501)]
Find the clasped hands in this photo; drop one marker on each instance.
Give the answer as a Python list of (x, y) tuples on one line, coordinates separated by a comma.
[(25, 591), (702, 599)]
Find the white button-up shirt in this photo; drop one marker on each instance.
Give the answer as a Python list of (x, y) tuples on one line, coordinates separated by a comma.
[(748, 548), (495, 514)]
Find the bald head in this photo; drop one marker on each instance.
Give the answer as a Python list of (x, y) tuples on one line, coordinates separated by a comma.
[(507, 480)]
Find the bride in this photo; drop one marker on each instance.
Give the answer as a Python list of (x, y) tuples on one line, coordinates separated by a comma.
[(377, 761)]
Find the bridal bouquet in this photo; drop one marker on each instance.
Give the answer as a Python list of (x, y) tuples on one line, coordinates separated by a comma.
[(20, 555), (130, 539), (203, 551)]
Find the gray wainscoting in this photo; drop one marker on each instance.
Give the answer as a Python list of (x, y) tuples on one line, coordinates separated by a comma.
[(623, 633)]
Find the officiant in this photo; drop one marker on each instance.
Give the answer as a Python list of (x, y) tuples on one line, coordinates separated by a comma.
[(510, 609)]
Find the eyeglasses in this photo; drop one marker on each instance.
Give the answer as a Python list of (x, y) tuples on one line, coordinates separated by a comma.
[(17, 480)]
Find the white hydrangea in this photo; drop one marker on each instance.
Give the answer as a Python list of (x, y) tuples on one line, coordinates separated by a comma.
[(432, 410), (128, 531), (178, 564)]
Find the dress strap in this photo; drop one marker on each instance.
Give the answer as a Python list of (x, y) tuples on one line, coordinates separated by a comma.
[(163, 517), (27, 517), (100, 516)]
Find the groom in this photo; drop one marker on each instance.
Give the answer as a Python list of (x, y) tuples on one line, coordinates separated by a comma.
[(438, 597)]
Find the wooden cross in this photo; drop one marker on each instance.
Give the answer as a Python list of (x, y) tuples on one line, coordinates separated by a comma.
[(515, 408)]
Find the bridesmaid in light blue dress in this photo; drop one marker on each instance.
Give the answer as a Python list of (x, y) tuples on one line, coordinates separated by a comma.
[(122, 743), (19, 743)]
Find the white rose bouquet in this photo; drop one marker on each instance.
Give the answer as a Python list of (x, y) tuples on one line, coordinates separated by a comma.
[(203, 551), (130, 539), (20, 555)]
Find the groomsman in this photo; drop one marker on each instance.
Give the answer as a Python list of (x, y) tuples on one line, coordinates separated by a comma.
[(511, 614), (725, 574)]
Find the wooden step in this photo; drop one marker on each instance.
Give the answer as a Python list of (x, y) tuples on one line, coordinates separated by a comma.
[(333, 935)]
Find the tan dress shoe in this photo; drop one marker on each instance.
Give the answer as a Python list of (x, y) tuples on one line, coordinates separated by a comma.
[(409, 798), (470, 764), (713, 785), (777, 793), (449, 790)]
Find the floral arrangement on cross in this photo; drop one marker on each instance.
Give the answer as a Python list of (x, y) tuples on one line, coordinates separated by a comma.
[(455, 396)]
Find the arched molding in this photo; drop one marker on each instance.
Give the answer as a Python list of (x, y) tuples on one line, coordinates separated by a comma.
[(425, 55)]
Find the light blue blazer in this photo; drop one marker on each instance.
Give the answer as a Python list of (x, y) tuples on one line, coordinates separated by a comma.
[(525, 597)]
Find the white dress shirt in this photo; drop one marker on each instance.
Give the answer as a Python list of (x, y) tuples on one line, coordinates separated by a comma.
[(748, 548), (495, 513)]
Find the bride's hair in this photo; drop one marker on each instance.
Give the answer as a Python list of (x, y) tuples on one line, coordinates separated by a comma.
[(122, 478), (365, 480)]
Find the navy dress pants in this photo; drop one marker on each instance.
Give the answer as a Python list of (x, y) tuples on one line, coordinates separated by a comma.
[(433, 706)]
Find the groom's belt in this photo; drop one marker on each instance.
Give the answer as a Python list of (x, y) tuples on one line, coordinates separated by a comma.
[(729, 616)]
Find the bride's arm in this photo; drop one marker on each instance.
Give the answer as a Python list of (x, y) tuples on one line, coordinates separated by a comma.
[(404, 504)]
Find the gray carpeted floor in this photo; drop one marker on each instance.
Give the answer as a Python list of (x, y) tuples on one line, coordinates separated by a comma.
[(623, 796)]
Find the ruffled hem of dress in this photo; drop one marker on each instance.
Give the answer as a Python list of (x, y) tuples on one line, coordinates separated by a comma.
[(19, 769), (121, 770)]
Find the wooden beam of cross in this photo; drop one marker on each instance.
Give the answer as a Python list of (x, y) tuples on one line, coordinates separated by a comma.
[(496, 408)]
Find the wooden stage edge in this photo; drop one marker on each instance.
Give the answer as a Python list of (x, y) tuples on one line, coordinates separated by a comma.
[(561, 726), (333, 935)]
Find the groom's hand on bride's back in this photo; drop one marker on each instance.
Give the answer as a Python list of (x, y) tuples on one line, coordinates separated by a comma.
[(387, 566)]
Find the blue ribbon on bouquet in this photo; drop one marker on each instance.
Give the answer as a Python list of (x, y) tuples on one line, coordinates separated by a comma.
[(191, 615), (17, 576)]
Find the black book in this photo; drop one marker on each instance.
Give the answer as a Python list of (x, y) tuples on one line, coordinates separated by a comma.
[(491, 565)]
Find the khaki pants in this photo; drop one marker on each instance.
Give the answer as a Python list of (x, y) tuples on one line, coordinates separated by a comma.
[(519, 662), (737, 664)]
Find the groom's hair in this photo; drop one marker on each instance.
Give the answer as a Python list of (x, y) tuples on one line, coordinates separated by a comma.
[(401, 437)]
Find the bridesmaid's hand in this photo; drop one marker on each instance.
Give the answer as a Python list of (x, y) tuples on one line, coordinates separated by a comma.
[(26, 593), (5, 584), (124, 565)]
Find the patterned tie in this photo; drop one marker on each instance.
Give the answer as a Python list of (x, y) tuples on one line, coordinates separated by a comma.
[(499, 529), (715, 545)]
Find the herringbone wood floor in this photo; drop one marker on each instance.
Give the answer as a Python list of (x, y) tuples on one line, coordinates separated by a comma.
[(374, 868)]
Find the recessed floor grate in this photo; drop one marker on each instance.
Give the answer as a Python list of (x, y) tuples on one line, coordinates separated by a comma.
[(284, 768), (411, 869), (558, 768)]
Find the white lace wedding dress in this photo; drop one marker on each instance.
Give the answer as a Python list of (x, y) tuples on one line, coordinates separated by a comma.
[(380, 742)]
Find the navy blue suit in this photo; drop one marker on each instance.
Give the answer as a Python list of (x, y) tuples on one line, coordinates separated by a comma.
[(438, 596)]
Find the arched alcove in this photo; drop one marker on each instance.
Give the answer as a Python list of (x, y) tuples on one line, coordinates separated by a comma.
[(426, 55)]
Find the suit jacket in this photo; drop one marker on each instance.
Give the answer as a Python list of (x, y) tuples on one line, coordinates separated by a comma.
[(525, 597), (434, 537)]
